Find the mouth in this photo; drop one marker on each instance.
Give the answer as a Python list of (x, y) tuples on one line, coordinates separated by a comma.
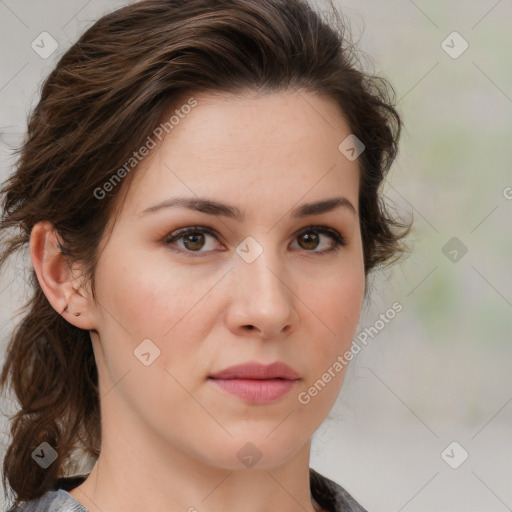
[(256, 383)]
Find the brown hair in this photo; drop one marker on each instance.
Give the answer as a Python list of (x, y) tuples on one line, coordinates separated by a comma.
[(105, 97)]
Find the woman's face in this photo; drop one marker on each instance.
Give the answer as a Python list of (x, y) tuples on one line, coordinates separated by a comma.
[(266, 283)]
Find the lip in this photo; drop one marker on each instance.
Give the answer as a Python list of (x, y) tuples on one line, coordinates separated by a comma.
[(257, 383), (257, 371)]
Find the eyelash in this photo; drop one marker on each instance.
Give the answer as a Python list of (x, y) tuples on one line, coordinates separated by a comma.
[(177, 235)]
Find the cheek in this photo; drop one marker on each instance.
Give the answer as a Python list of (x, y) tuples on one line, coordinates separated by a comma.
[(143, 301), (173, 308), (149, 298), (336, 308), (339, 290)]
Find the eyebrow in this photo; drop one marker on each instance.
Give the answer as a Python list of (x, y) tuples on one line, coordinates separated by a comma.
[(212, 207)]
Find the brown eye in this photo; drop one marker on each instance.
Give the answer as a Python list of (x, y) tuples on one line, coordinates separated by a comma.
[(310, 239), (192, 240)]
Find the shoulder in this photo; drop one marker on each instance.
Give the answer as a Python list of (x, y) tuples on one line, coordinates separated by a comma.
[(53, 501), (331, 496)]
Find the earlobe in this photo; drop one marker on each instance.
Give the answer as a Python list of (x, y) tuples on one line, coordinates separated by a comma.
[(56, 277), (67, 310)]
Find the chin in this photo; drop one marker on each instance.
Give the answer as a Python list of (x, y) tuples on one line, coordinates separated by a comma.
[(256, 451)]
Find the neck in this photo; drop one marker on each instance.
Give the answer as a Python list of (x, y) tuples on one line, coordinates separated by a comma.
[(132, 475)]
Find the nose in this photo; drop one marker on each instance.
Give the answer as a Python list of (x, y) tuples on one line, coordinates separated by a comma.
[(262, 297)]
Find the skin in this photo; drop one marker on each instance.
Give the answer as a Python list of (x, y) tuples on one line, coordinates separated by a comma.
[(165, 426)]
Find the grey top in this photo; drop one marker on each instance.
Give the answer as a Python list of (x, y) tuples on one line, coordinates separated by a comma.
[(328, 494)]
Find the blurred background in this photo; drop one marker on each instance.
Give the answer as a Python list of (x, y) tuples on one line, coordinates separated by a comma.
[(424, 419)]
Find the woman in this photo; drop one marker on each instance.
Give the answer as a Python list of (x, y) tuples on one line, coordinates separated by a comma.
[(199, 192)]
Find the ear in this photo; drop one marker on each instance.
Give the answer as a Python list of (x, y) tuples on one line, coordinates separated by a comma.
[(59, 282)]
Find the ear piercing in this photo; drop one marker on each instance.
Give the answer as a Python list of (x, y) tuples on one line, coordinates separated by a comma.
[(76, 314)]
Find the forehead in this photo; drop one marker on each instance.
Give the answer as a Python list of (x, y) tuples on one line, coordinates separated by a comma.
[(253, 147), (252, 122)]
